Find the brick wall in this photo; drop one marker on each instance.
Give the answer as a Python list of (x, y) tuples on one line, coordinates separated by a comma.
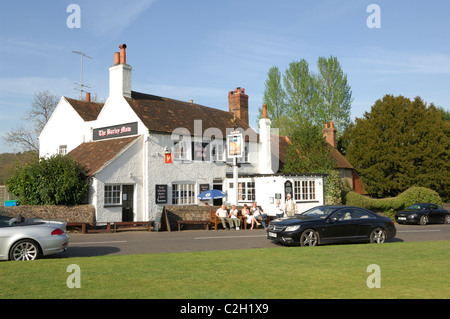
[(71, 214), (187, 212)]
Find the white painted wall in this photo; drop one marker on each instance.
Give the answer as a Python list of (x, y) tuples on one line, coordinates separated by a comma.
[(125, 169), (65, 127), (267, 186)]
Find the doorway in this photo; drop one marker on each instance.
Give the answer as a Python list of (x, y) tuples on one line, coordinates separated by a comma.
[(216, 185), (127, 203)]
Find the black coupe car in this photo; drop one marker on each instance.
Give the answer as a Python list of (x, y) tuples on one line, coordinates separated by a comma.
[(331, 224), (423, 214)]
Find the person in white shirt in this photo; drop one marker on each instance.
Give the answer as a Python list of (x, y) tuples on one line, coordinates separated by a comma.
[(279, 209), (258, 216), (291, 207), (223, 214), (233, 218)]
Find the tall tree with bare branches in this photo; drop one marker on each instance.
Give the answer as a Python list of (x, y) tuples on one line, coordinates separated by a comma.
[(26, 135)]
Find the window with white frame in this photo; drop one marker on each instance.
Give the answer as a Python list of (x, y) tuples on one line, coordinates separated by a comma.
[(304, 190), (112, 194), (180, 151), (183, 194), (217, 151), (246, 191), (62, 150)]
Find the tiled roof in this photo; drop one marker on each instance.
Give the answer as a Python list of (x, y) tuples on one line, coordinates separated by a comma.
[(164, 115), (341, 161), (94, 155), (87, 110)]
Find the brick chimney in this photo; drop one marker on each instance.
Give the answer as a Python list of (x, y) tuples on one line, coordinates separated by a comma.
[(238, 103), (120, 75), (329, 133)]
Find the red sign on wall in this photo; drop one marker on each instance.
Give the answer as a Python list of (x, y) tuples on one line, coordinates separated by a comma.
[(167, 158)]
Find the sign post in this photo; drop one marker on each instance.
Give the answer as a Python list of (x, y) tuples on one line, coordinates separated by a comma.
[(234, 149)]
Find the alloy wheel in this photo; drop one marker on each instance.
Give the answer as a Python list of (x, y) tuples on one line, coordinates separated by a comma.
[(378, 236), (24, 250), (309, 238)]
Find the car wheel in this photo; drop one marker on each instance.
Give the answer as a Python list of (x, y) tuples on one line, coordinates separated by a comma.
[(423, 220), (378, 235), (447, 219), (25, 249), (309, 238)]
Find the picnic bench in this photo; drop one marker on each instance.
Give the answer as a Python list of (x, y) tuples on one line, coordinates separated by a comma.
[(132, 225), (193, 222), (215, 220)]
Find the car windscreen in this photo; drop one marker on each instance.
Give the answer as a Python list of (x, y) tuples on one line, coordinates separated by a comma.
[(318, 212)]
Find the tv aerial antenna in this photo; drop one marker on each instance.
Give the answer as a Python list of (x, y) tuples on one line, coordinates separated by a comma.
[(82, 86)]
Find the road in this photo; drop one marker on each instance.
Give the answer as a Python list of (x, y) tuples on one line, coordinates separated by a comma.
[(144, 242)]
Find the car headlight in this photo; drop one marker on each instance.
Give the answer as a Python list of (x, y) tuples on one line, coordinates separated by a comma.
[(292, 228)]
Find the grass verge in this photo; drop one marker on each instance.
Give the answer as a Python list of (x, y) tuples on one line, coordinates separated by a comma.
[(408, 270)]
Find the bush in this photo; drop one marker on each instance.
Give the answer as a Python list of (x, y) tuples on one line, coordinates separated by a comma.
[(57, 180), (333, 188), (390, 205)]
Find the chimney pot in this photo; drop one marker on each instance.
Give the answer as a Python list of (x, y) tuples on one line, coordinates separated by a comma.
[(264, 111), (116, 58), (123, 57), (88, 97)]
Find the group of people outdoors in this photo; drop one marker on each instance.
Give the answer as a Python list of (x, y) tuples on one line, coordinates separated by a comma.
[(254, 215)]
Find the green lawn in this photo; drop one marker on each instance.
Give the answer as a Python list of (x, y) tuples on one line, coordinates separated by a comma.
[(408, 270)]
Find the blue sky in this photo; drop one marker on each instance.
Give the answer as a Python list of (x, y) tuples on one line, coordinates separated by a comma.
[(201, 49)]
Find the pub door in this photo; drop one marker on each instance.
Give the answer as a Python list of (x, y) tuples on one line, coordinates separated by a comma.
[(127, 203)]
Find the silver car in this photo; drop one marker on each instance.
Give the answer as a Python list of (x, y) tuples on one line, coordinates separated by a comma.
[(29, 239)]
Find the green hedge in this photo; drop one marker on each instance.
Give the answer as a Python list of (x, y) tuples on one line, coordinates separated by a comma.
[(389, 206)]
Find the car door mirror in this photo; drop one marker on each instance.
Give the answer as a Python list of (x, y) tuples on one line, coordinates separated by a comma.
[(333, 219)]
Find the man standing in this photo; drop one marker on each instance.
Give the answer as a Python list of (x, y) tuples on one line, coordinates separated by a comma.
[(279, 209), (291, 207), (223, 214)]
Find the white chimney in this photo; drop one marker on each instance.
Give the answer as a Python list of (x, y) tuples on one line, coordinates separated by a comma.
[(120, 75), (265, 149)]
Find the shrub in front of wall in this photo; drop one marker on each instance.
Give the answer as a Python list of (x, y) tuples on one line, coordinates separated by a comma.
[(389, 206)]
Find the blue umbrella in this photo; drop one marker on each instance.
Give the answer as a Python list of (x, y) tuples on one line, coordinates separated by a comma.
[(212, 194)]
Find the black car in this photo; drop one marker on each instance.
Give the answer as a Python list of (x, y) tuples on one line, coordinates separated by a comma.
[(331, 224), (423, 214)]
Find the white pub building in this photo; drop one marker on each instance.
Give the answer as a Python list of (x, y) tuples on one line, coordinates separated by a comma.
[(142, 151)]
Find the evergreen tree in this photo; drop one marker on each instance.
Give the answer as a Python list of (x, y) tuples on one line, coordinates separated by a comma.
[(400, 143), (308, 151)]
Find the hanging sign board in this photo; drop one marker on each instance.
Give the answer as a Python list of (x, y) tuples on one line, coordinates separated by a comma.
[(235, 145)]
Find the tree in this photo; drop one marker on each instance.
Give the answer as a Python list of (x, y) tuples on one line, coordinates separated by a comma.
[(57, 180), (274, 98), (26, 137), (308, 151), (305, 96), (400, 143), (299, 86), (334, 93)]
